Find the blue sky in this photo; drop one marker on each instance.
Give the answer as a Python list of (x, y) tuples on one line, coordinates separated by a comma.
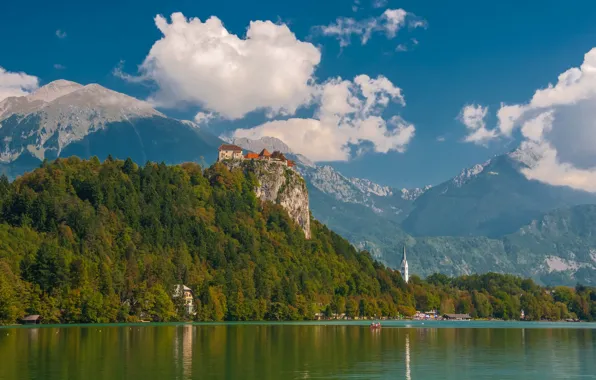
[(470, 52)]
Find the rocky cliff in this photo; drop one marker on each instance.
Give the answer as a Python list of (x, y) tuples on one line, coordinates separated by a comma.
[(281, 185)]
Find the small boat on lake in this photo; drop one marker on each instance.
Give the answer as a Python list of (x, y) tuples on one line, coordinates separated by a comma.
[(375, 325)]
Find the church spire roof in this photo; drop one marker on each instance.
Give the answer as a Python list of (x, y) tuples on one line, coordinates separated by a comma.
[(404, 258)]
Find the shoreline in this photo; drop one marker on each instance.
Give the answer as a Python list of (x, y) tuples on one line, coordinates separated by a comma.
[(385, 324)]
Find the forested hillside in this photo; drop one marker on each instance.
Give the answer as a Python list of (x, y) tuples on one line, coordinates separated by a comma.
[(84, 241)]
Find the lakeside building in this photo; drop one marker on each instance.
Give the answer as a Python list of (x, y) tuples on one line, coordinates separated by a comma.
[(31, 320), (187, 294)]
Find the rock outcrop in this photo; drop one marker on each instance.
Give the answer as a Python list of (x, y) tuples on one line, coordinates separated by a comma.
[(280, 185)]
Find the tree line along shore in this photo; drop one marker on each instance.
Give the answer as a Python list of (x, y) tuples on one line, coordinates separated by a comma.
[(84, 241)]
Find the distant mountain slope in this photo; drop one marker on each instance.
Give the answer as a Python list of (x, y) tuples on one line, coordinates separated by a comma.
[(565, 238), (556, 248), (65, 118), (492, 199)]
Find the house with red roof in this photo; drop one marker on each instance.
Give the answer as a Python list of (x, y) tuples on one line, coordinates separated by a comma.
[(229, 152)]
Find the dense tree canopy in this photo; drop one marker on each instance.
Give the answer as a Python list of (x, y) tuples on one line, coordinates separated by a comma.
[(84, 241)]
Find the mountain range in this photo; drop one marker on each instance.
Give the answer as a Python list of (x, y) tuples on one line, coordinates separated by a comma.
[(489, 217)]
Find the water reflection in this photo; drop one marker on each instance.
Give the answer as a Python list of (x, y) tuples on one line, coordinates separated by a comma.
[(272, 352), (408, 374)]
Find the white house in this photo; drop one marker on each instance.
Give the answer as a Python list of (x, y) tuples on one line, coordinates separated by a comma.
[(229, 152), (188, 296)]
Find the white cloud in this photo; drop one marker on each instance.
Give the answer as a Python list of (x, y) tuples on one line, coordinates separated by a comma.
[(558, 127), (419, 23), (401, 48), (202, 63), (379, 3), (203, 118), (58, 66), (473, 117), (389, 23), (441, 138), (61, 34), (549, 168), (348, 115), (508, 116), (16, 84)]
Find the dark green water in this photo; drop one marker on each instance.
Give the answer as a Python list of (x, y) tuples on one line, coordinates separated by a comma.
[(464, 350)]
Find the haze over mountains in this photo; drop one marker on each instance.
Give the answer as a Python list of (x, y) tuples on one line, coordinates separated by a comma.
[(490, 217)]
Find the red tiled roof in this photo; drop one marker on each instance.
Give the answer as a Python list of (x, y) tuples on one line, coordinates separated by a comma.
[(234, 148), (291, 163), (265, 153), (251, 155)]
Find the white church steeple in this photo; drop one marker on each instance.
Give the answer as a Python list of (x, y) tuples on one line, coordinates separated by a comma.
[(404, 267)]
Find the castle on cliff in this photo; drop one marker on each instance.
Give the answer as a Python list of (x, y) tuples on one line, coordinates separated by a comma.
[(234, 152)]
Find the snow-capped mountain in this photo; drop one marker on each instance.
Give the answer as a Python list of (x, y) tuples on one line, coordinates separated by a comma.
[(369, 187), (413, 194), (65, 118), (490, 199), (60, 113), (468, 174)]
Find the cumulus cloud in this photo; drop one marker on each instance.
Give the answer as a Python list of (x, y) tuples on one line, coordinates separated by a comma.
[(348, 116), (388, 23), (473, 117), (61, 34), (202, 63), (16, 84), (558, 127)]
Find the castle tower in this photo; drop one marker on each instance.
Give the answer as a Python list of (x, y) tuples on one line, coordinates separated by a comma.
[(404, 267)]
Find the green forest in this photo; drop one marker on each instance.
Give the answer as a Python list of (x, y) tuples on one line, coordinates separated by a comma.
[(88, 242)]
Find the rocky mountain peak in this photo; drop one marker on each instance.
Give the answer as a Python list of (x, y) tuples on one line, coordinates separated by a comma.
[(413, 194), (527, 154), (54, 90), (467, 174), (369, 187), (60, 113)]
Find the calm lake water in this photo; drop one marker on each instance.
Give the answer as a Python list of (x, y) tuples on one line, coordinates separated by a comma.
[(401, 350)]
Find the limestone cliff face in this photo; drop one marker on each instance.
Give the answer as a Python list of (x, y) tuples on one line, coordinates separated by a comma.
[(281, 185)]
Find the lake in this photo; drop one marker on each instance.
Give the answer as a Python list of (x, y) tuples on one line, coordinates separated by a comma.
[(400, 350)]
